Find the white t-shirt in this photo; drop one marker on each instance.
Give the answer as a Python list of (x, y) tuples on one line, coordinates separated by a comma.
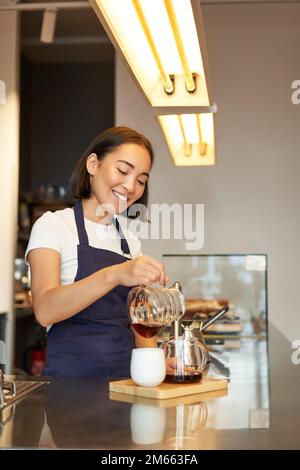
[(57, 230)]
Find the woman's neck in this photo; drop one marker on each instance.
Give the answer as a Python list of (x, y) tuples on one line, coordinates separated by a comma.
[(92, 211)]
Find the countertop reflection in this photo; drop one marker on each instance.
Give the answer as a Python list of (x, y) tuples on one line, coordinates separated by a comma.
[(260, 411)]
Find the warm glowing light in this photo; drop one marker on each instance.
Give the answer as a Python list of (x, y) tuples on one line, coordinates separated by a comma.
[(163, 43), (186, 144), (190, 81), (202, 144), (166, 80), (190, 138)]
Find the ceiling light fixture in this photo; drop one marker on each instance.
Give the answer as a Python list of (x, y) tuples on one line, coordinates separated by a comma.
[(190, 138), (202, 144), (187, 146), (163, 43), (190, 79), (166, 79), (48, 25)]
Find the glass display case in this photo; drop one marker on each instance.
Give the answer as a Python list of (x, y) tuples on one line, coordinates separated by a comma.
[(238, 342), (212, 281)]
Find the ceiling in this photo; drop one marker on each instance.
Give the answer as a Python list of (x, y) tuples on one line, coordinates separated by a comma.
[(79, 37)]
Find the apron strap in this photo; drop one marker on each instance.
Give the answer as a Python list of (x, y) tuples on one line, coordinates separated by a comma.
[(82, 235), (124, 245)]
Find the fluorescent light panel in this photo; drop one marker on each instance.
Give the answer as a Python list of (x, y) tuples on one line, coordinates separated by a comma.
[(190, 138), (176, 45)]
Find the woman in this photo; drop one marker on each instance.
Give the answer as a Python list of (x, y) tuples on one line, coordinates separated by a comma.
[(83, 265)]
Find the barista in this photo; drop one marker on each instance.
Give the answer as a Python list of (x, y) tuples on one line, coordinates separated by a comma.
[(83, 264)]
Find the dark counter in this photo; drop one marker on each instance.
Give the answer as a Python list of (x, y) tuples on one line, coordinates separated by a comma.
[(260, 411)]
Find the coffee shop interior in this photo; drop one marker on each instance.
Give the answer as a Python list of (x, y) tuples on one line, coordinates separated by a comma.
[(61, 93)]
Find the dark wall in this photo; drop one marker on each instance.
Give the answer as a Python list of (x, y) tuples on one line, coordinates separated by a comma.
[(63, 107)]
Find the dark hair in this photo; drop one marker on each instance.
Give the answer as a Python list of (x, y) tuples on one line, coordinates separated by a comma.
[(103, 144)]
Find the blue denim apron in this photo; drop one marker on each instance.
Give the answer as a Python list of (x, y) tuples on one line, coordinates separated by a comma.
[(96, 341)]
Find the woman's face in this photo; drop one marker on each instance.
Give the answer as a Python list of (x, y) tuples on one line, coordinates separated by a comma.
[(120, 178)]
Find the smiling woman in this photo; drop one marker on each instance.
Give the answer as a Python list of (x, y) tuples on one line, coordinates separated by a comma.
[(83, 264), (119, 180)]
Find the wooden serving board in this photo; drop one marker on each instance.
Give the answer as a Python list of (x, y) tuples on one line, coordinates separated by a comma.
[(166, 390), (168, 402)]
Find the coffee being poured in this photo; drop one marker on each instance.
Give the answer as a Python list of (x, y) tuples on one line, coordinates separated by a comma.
[(151, 308)]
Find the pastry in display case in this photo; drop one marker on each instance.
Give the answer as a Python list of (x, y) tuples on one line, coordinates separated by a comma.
[(203, 309)]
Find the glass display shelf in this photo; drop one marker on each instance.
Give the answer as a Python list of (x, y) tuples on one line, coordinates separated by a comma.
[(210, 281)]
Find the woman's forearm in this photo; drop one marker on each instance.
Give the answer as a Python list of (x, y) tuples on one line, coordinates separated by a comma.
[(63, 302)]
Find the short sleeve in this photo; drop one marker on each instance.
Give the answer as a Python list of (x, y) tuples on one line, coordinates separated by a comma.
[(46, 233)]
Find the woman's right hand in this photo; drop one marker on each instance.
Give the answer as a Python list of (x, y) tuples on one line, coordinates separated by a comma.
[(142, 270)]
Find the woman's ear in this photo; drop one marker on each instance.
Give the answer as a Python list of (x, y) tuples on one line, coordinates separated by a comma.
[(92, 163)]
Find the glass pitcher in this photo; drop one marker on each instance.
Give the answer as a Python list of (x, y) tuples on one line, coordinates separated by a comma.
[(152, 308), (185, 360)]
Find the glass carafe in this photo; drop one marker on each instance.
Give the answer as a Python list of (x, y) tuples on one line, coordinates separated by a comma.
[(187, 355), (185, 358), (152, 308)]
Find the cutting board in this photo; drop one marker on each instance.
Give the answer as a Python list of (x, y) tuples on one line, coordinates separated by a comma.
[(165, 390)]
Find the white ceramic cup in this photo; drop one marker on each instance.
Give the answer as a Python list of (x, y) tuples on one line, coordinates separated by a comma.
[(148, 366)]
